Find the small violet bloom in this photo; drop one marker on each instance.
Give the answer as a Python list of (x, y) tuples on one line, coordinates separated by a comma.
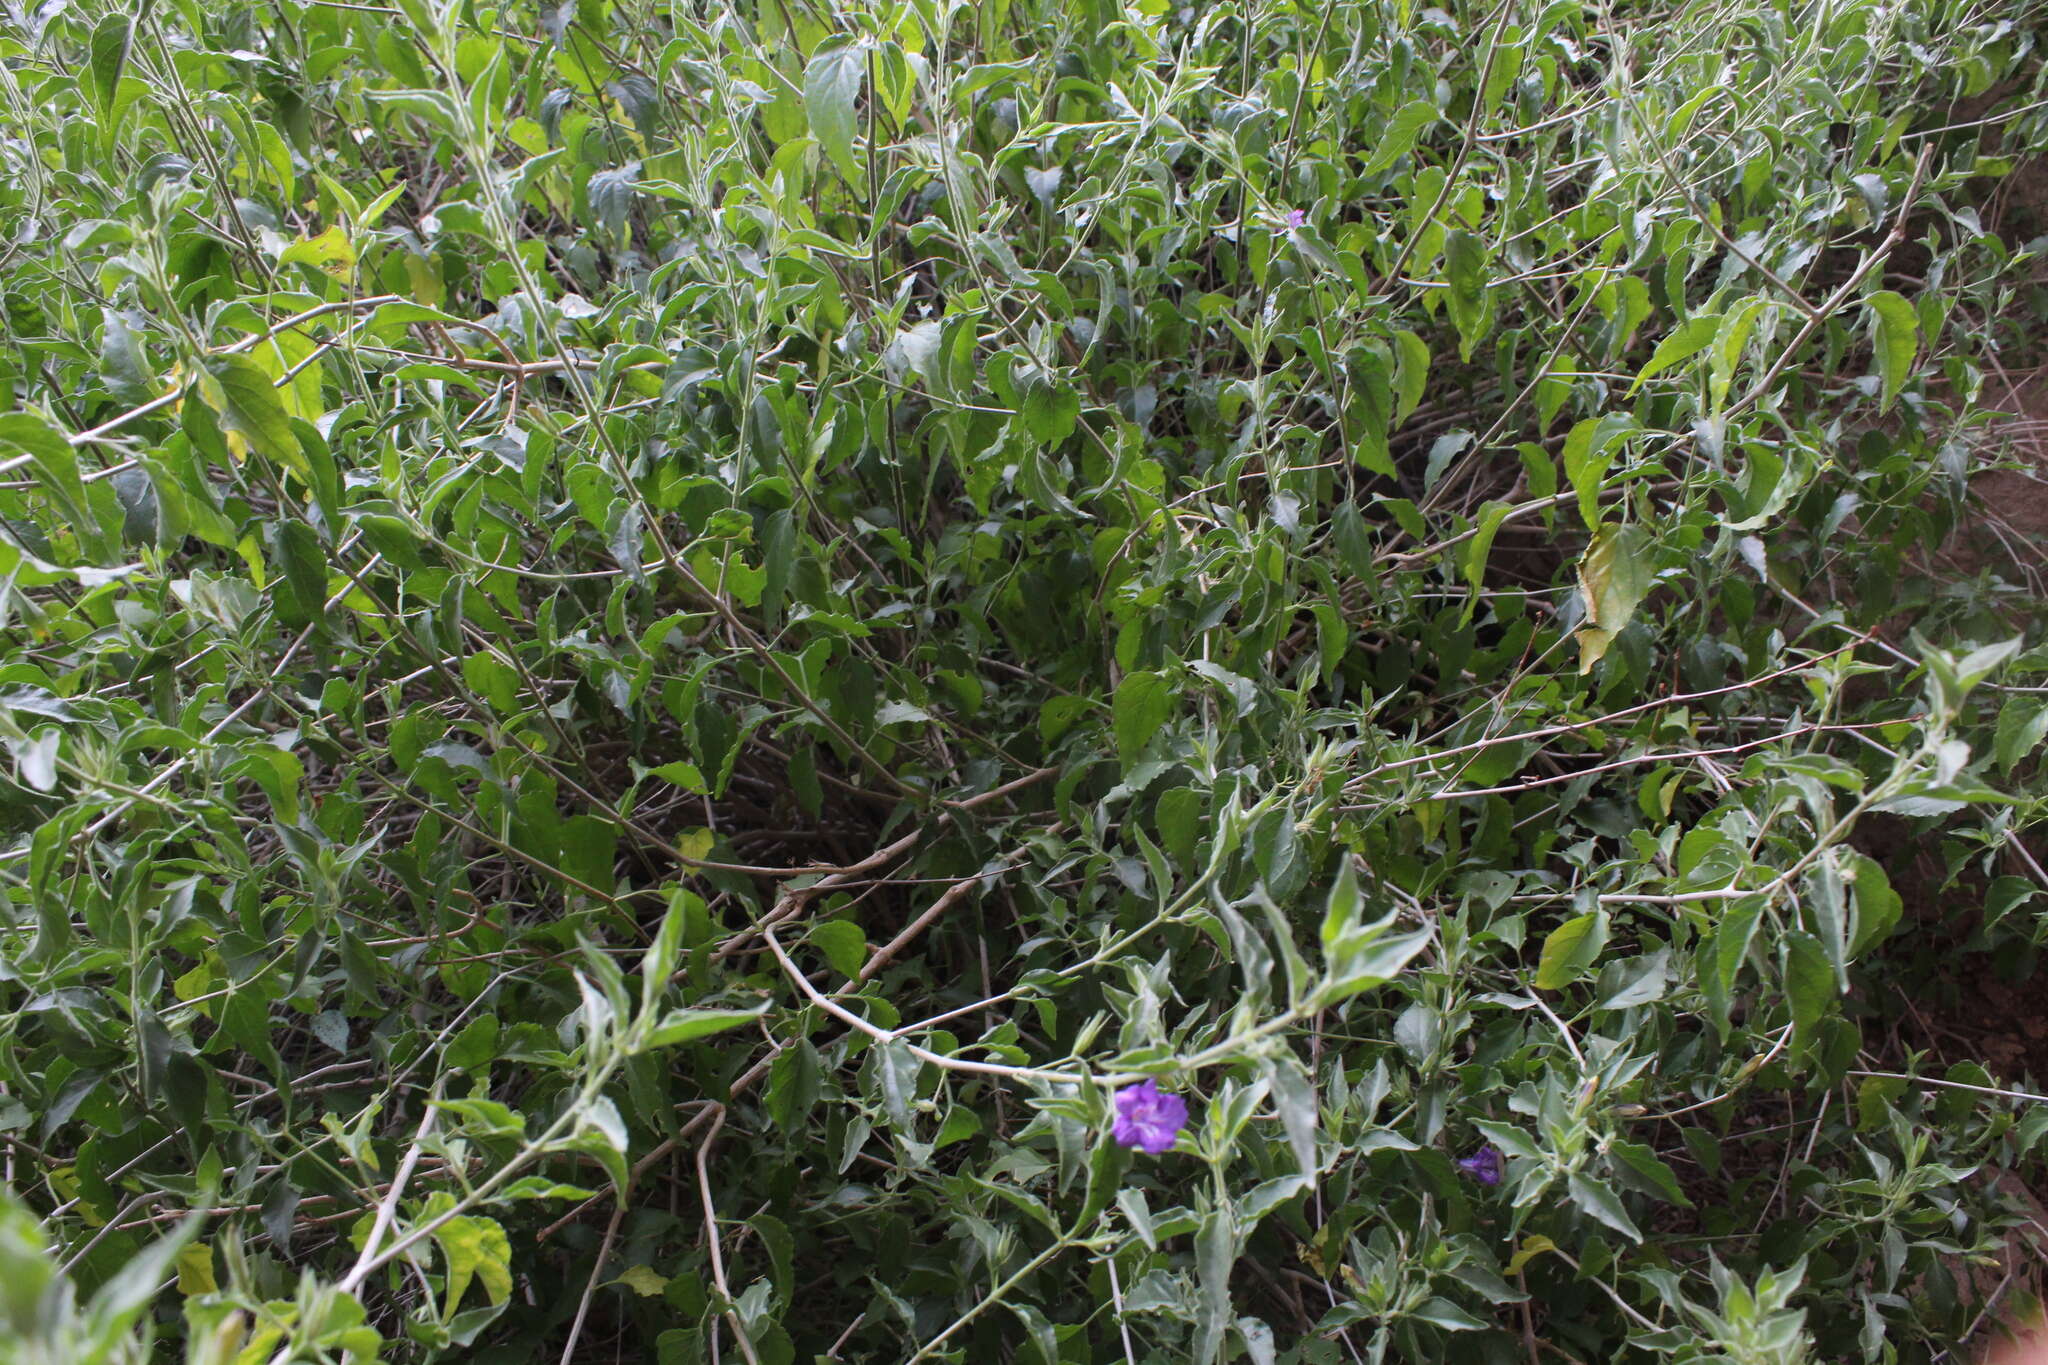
[(1147, 1119), (1297, 218), (1483, 1165)]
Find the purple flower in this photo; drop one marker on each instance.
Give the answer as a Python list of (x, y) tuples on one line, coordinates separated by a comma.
[(1148, 1120), (1297, 218), (1483, 1165)]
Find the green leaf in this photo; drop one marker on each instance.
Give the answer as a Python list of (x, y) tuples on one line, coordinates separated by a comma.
[(55, 463), (1411, 374), (1586, 459), (1470, 303), (1809, 979), (1694, 335), (658, 964), (1441, 1312), (1510, 1139), (843, 944), (1141, 705), (475, 1046), (832, 86), (1571, 949), (392, 537), (109, 54), (1354, 544), (2004, 895), (305, 573), (1372, 415), (494, 680), (685, 1026), (680, 774), (1649, 1171), (1341, 908), (1058, 715), (250, 411), (1050, 410), (1895, 329), (1399, 136), (1038, 1330), (1724, 951), (2022, 724), (1491, 514), (1638, 981), (795, 1084), (1878, 906), (896, 1068), (1131, 1200), (1215, 1254), (486, 1118), (1728, 347), (1601, 1202), (601, 1133), (1294, 1096), (133, 1288), (1368, 958)]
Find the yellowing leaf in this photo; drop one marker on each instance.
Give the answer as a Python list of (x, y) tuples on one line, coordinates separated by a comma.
[(227, 1339), (644, 1281), (1531, 1248), (195, 1270), (291, 362), (1614, 575), (1593, 644), (477, 1249), (201, 980), (64, 1180), (331, 253)]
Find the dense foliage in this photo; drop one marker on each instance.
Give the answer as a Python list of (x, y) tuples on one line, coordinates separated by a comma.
[(650, 647)]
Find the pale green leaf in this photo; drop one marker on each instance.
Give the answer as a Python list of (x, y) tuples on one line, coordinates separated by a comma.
[(832, 86)]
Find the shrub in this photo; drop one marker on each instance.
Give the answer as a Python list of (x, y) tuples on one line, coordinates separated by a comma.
[(1041, 681)]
